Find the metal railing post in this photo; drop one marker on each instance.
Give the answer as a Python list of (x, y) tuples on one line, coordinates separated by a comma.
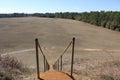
[(72, 60), (58, 64), (37, 58), (44, 64), (61, 63), (55, 65), (47, 66)]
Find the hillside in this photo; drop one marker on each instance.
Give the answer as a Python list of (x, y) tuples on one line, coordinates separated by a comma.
[(94, 45)]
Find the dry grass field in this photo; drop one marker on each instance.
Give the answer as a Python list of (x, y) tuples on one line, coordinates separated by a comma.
[(97, 50)]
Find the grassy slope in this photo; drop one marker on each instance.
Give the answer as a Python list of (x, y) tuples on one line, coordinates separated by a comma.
[(54, 34)]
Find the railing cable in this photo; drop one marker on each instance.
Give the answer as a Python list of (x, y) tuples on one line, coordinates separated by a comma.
[(66, 48), (58, 63)]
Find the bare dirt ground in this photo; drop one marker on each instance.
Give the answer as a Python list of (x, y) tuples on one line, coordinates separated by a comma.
[(92, 43)]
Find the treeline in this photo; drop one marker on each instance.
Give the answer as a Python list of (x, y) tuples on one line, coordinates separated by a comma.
[(110, 20), (49, 15), (14, 15)]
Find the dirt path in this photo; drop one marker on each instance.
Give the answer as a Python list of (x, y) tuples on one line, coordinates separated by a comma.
[(19, 51), (30, 53), (32, 49), (98, 49)]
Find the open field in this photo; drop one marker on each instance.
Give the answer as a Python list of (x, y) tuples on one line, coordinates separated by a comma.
[(93, 44)]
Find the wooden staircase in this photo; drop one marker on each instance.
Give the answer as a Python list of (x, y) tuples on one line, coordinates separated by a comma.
[(54, 71)]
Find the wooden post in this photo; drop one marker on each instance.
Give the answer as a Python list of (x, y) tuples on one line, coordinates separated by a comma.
[(37, 58), (72, 61)]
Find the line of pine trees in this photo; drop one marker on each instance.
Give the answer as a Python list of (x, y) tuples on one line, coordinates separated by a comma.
[(110, 19)]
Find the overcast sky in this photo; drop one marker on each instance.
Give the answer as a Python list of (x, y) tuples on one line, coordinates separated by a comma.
[(43, 6)]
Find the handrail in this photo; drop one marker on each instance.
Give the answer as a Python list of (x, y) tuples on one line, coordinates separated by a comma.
[(59, 60), (46, 65)]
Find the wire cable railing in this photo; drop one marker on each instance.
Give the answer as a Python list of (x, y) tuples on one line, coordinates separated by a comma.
[(58, 65), (45, 61)]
